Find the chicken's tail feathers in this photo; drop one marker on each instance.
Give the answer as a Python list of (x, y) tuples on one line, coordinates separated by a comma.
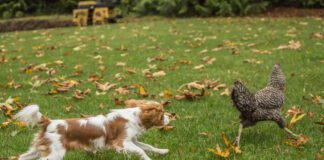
[(31, 116), (242, 98), (277, 78)]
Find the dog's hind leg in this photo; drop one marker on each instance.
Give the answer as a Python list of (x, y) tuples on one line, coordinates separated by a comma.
[(150, 148), (31, 154)]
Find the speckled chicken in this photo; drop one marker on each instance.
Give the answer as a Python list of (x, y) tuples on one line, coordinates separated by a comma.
[(264, 105)]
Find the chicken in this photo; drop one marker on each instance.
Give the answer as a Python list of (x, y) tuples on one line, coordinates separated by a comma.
[(264, 105)]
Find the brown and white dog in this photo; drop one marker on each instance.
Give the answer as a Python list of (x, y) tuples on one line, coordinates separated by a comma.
[(117, 130)]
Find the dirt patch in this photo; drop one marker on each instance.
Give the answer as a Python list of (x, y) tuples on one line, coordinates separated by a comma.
[(293, 12), (20, 25)]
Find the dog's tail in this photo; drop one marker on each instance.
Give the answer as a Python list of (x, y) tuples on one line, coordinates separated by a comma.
[(31, 116)]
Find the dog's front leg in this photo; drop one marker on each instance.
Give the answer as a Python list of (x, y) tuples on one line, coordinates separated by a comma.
[(150, 148), (129, 146)]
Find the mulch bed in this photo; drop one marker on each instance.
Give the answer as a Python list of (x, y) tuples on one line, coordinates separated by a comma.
[(20, 25), (293, 12)]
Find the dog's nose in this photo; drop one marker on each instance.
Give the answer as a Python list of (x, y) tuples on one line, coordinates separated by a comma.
[(166, 120)]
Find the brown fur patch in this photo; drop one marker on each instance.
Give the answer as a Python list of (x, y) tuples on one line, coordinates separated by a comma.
[(151, 115), (77, 136), (43, 123), (139, 103), (116, 132), (80, 137), (42, 144)]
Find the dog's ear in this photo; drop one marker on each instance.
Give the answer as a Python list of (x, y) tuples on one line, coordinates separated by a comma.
[(151, 107)]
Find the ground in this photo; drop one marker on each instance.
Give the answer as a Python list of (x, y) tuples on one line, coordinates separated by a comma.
[(230, 40)]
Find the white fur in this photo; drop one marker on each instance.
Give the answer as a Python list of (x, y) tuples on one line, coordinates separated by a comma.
[(133, 129), (30, 115)]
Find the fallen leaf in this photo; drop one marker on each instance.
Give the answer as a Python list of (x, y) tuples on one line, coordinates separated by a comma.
[(122, 91), (105, 87), (120, 64), (166, 94), (68, 108), (320, 123), (206, 134), (209, 60), (94, 78), (172, 116), (159, 74), (317, 99), (199, 67), (142, 91), (252, 61), (78, 94), (294, 110), (226, 92), (301, 140), (118, 102), (291, 45), (166, 128), (295, 119)]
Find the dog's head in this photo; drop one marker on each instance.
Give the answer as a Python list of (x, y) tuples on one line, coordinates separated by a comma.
[(152, 114)]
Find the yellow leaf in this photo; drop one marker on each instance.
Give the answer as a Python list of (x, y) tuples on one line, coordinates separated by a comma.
[(142, 91), (296, 118), (167, 94)]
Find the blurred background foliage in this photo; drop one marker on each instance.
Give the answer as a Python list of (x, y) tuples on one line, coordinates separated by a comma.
[(178, 8)]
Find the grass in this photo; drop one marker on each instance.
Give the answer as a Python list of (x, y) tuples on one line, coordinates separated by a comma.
[(304, 70)]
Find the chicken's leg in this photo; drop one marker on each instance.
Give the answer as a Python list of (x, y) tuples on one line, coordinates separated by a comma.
[(237, 142), (290, 132)]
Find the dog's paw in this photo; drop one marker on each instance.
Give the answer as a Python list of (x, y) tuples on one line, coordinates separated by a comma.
[(162, 151)]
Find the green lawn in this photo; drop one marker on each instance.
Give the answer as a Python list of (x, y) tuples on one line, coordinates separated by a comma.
[(175, 39)]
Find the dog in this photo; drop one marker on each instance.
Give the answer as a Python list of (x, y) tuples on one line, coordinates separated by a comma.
[(117, 130)]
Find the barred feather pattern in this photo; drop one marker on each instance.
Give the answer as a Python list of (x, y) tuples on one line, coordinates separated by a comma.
[(265, 105)]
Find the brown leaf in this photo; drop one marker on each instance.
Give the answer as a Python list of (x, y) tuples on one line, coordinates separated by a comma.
[(172, 116), (13, 84), (122, 91), (199, 67), (317, 99), (291, 45), (94, 78), (158, 58), (301, 140), (120, 64), (252, 61), (166, 128), (209, 60), (68, 108), (320, 123), (159, 74), (226, 92), (78, 94), (105, 87), (206, 134), (118, 102), (130, 70), (293, 111)]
